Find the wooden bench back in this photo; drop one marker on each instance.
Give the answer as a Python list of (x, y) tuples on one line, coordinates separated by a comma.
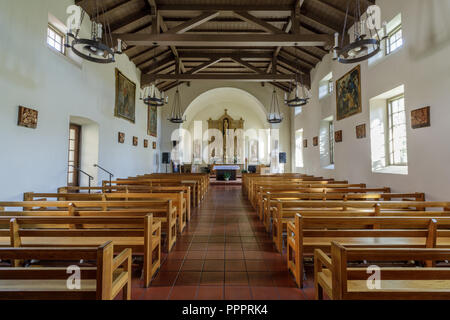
[(112, 275), (342, 273)]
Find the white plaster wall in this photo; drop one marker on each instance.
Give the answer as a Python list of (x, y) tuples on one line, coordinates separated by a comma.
[(34, 76), (423, 66), (237, 104)]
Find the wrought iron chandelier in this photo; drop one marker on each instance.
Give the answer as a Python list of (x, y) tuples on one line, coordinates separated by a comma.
[(176, 116), (297, 101), (100, 47), (150, 98), (274, 115), (365, 44)]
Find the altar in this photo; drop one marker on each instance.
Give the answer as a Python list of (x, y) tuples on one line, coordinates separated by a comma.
[(222, 170)]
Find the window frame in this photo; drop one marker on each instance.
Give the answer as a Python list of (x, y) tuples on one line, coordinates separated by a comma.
[(390, 131), (299, 148), (331, 141), (388, 50), (60, 34)]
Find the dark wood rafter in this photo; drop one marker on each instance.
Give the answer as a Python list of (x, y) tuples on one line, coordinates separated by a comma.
[(240, 40)]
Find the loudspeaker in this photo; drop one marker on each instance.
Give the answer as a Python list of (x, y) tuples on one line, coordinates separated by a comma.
[(166, 158), (282, 157)]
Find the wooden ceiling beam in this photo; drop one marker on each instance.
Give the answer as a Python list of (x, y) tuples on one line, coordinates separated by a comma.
[(149, 78), (212, 55), (127, 21), (247, 17), (157, 64), (203, 66), (257, 40), (336, 10), (248, 65), (185, 8), (297, 58), (293, 64), (193, 23)]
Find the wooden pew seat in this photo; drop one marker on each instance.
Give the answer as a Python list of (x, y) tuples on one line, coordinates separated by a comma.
[(341, 281), (110, 276)]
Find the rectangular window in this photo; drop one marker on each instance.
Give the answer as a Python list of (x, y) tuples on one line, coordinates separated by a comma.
[(326, 86), (394, 40), (398, 155), (330, 87), (299, 149), (55, 39), (331, 141)]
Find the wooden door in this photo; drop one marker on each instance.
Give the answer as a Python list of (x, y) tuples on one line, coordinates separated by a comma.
[(73, 177)]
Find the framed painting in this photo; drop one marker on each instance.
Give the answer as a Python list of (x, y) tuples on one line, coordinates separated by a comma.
[(154, 145), (305, 143), (125, 107), (121, 137), (338, 136), (145, 143), (361, 131), (27, 118), (420, 118), (152, 123), (135, 141), (348, 94), (315, 141)]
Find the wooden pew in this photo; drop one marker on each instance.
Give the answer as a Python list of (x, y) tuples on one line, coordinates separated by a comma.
[(162, 210), (247, 177), (257, 187), (308, 233), (177, 199), (284, 208), (201, 180), (138, 233), (342, 282), (193, 185), (266, 201), (134, 189), (111, 275)]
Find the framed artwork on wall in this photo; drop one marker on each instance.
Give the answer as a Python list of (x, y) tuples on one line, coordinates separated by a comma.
[(125, 107), (305, 143), (135, 141), (145, 143), (152, 122), (27, 118), (361, 131), (154, 145), (348, 94), (420, 118), (121, 137), (315, 141), (338, 136)]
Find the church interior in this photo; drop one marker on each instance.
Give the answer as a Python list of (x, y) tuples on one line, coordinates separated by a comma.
[(224, 150)]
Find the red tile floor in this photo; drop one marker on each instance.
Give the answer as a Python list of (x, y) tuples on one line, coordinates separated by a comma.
[(224, 253)]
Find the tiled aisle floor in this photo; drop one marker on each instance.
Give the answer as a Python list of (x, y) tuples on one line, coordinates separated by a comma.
[(224, 253)]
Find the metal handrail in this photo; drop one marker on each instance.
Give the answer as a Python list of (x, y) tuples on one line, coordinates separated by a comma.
[(85, 173), (103, 169)]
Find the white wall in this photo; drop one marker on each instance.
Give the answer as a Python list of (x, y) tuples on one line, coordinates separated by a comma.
[(423, 66), (237, 104), (33, 76)]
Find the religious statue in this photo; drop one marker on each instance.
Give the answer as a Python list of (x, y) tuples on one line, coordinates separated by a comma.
[(227, 126)]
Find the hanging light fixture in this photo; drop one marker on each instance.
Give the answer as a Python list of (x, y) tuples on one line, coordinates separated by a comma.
[(176, 115), (297, 101), (99, 48), (274, 115), (365, 45), (150, 98)]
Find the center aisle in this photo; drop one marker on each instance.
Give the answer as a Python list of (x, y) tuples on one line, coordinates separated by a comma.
[(224, 253)]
